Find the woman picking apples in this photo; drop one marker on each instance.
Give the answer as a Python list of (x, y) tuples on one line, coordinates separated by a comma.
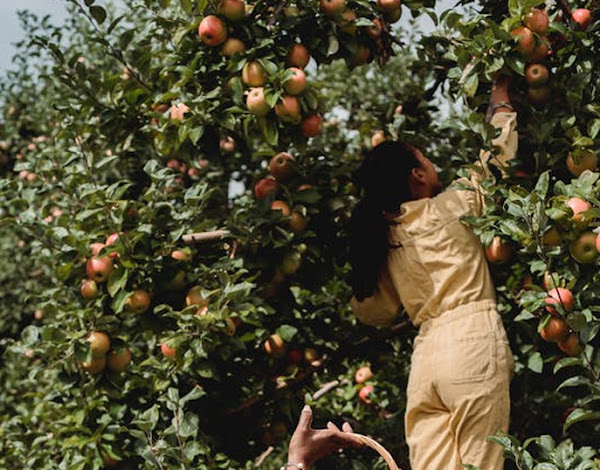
[(410, 248)]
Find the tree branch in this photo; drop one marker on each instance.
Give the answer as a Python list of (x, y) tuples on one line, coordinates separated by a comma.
[(202, 237)]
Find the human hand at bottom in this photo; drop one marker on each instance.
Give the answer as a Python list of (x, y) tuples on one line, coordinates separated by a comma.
[(309, 445)]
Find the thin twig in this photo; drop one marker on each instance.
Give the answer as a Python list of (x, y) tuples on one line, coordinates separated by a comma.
[(201, 237), (325, 389), (262, 457)]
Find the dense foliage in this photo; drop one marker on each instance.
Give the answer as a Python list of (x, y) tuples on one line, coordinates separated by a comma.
[(127, 342)]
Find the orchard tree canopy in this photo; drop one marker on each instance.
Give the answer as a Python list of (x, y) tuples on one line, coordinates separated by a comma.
[(176, 181)]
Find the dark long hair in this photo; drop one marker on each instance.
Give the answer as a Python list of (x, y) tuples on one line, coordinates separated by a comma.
[(383, 177)]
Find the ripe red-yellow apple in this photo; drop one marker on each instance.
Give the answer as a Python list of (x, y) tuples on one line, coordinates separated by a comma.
[(99, 268), (95, 248), (288, 109), (393, 15), (99, 343), (388, 5), (377, 138), (578, 206), (583, 250), (499, 251), (178, 110), (540, 51), (275, 345), (298, 222), (398, 109), (281, 206), (570, 345), (233, 10), (232, 46), (231, 326), (227, 145), (310, 355), (311, 125), (331, 8), (256, 103), (254, 74), (266, 187), (168, 351), (212, 31), (181, 255), (583, 17), (296, 84), (525, 38), (282, 166), (298, 56), (195, 297), (118, 359), (95, 366), (111, 240), (363, 374), (559, 296), (138, 302), (89, 289), (580, 160), (537, 21), (536, 74), (556, 329), (552, 237), (348, 21), (364, 393), (375, 31), (538, 96)]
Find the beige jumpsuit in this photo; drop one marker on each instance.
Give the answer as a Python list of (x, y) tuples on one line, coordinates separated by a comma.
[(458, 388)]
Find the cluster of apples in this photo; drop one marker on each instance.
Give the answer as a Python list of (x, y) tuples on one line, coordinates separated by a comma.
[(554, 328), (275, 346), (98, 269), (534, 45), (115, 359), (364, 374), (337, 10)]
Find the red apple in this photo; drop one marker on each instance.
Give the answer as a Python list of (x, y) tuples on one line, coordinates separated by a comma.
[(536, 74), (499, 251), (195, 297), (311, 125), (282, 167), (538, 96), (254, 74), (275, 346), (182, 255), (110, 240), (374, 31), (296, 83), (363, 374), (364, 393), (570, 345), (288, 109), (233, 10), (281, 206), (298, 222), (559, 296), (583, 17), (232, 46), (578, 206), (266, 187), (95, 366), (138, 301), (256, 103), (227, 145), (393, 15), (583, 250), (556, 329), (212, 31), (96, 247), (89, 289), (99, 343), (168, 351), (540, 51), (99, 268), (331, 8), (298, 56), (178, 110), (377, 138), (537, 21), (387, 6), (118, 360), (580, 160), (398, 109), (525, 38)]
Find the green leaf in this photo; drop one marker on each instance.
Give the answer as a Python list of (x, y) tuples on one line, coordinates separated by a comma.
[(287, 332), (98, 13), (30, 335), (117, 280), (189, 425), (579, 415), (535, 363), (471, 85)]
